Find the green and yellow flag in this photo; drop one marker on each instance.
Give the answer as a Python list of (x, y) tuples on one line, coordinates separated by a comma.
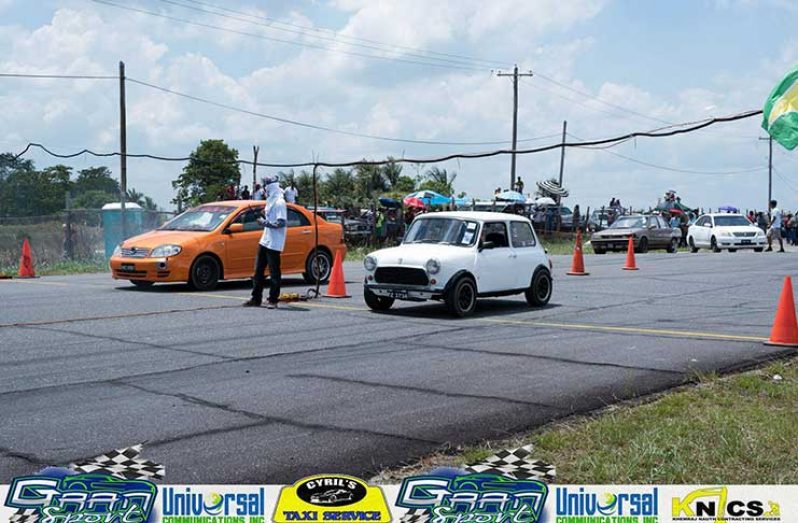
[(780, 115)]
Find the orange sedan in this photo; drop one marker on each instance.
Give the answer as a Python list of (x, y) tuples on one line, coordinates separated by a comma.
[(218, 241)]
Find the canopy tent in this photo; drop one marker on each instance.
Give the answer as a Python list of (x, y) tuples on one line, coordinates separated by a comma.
[(390, 203), (545, 200), (511, 196), (729, 208), (552, 189), (414, 202), (430, 198), (667, 205)]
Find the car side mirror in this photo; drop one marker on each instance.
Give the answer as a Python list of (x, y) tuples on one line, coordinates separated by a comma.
[(234, 228), (486, 245)]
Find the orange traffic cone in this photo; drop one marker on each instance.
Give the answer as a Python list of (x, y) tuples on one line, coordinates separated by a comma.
[(630, 256), (26, 262), (578, 263), (785, 326), (337, 285)]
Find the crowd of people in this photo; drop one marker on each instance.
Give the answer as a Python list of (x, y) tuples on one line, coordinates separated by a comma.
[(232, 192)]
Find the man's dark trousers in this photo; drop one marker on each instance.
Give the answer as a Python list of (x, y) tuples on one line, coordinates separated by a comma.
[(272, 259)]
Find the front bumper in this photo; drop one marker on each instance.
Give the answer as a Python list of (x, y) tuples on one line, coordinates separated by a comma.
[(742, 243), (148, 269), (405, 292), (621, 242)]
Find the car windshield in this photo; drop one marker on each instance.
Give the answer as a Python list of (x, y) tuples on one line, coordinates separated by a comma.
[(203, 218), (629, 222), (450, 231), (728, 221)]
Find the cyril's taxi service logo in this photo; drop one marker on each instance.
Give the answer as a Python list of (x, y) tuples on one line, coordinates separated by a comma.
[(81, 498), (331, 497), (217, 504), (717, 505)]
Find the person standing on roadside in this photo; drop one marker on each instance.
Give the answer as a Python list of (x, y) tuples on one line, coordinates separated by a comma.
[(775, 226), (291, 193), (271, 244)]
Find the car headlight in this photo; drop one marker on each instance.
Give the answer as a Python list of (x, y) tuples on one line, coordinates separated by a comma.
[(370, 263), (433, 266), (117, 250), (725, 234), (163, 251)]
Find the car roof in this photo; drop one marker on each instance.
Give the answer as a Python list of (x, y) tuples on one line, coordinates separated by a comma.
[(476, 215), (713, 214)]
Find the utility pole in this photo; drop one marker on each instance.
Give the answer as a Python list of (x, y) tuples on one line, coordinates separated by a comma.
[(123, 147), (255, 150), (770, 172), (562, 166), (515, 74)]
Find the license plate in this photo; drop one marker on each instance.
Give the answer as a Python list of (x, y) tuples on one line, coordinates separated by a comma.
[(399, 295), (745, 242), (128, 267)]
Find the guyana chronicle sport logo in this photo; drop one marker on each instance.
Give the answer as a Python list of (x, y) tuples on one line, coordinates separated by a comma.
[(715, 505), (82, 498), (474, 498), (331, 497), (203, 505), (581, 505)]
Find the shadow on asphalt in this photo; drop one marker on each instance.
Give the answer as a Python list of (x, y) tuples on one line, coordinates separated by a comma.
[(222, 286), (486, 308)]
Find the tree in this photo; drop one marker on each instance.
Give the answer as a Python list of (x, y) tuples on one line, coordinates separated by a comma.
[(143, 200), (369, 182), (34, 193), (212, 166), (96, 179), (338, 188), (391, 172), (93, 199), (438, 180), (404, 185)]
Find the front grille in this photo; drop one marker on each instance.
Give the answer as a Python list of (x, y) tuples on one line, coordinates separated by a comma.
[(135, 252), (401, 276), (745, 234), (124, 272)]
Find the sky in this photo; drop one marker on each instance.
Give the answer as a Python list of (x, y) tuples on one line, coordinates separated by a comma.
[(412, 70)]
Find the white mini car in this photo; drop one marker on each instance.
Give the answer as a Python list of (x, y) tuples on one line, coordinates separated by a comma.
[(725, 231), (457, 257)]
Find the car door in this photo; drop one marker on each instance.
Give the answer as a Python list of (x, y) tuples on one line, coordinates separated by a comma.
[(495, 265), (527, 254), (298, 241), (242, 247), (702, 232), (661, 232)]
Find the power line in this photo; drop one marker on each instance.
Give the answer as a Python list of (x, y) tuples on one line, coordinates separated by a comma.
[(637, 134), (670, 168), (281, 40), (315, 126), (256, 20)]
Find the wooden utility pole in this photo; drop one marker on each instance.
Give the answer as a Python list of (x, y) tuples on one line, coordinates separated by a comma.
[(562, 166), (255, 150), (123, 147), (770, 173), (515, 74)]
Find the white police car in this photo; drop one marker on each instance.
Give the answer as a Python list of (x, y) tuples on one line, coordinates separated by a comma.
[(458, 257)]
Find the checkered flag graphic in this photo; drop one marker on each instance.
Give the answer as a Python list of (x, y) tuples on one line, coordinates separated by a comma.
[(122, 463), (24, 515), (416, 515), (517, 464)]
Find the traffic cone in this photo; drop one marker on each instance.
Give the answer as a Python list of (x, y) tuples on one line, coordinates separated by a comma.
[(630, 256), (26, 262), (578, 263), (337, 286), (785, 326)]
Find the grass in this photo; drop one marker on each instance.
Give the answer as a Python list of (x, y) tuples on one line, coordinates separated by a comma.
[(60, 268), (734, 429)]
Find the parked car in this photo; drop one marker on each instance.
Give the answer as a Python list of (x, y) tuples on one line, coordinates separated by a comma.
[(357, 230), (648, 232), (330, 214), (218, 241), (458, 257), (600, 220), (725, 231)]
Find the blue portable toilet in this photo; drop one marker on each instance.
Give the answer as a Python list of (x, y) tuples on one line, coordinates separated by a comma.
[(112, 223)]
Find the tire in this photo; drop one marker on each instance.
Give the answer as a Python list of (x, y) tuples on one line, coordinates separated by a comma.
[(673, 246), (324, 261), (141, 284), (713, 244), (539, 292), (205, 273), (377, 303), (759, 249), (642, 245), (599, 250), (732, 250), (693, 248), (461, 298)]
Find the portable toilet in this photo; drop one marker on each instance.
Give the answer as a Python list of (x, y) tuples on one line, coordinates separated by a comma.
[(112, 224)]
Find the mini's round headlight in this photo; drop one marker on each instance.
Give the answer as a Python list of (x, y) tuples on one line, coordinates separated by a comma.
[(433, 266), (163, 251), (370, 263)]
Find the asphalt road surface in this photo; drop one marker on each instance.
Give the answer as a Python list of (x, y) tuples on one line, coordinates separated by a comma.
[(219, 393)]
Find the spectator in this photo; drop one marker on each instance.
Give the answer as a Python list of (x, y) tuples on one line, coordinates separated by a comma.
[(577, 224), (497, 192), (257, 193), (245, 193), (775, 227), (291, 193), (789, 227), (751, 217), (519, 185)]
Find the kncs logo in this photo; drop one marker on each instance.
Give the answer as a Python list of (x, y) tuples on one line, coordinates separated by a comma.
[(713, 504)]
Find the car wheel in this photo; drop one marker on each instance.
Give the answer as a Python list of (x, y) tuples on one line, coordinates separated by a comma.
[(377, 303), (599, 250), (141, 284), (204, 273), (642, 245), (539, 293), (732, 250), (319, 263), (759, 249), (673, 246), (461, 298), (693, 248), (713, 243)]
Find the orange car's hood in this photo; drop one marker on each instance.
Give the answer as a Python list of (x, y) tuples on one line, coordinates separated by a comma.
[(155, 238)]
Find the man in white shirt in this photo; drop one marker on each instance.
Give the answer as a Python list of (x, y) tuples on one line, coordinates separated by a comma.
[(775, 227), (291, 193), (271, 244)]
